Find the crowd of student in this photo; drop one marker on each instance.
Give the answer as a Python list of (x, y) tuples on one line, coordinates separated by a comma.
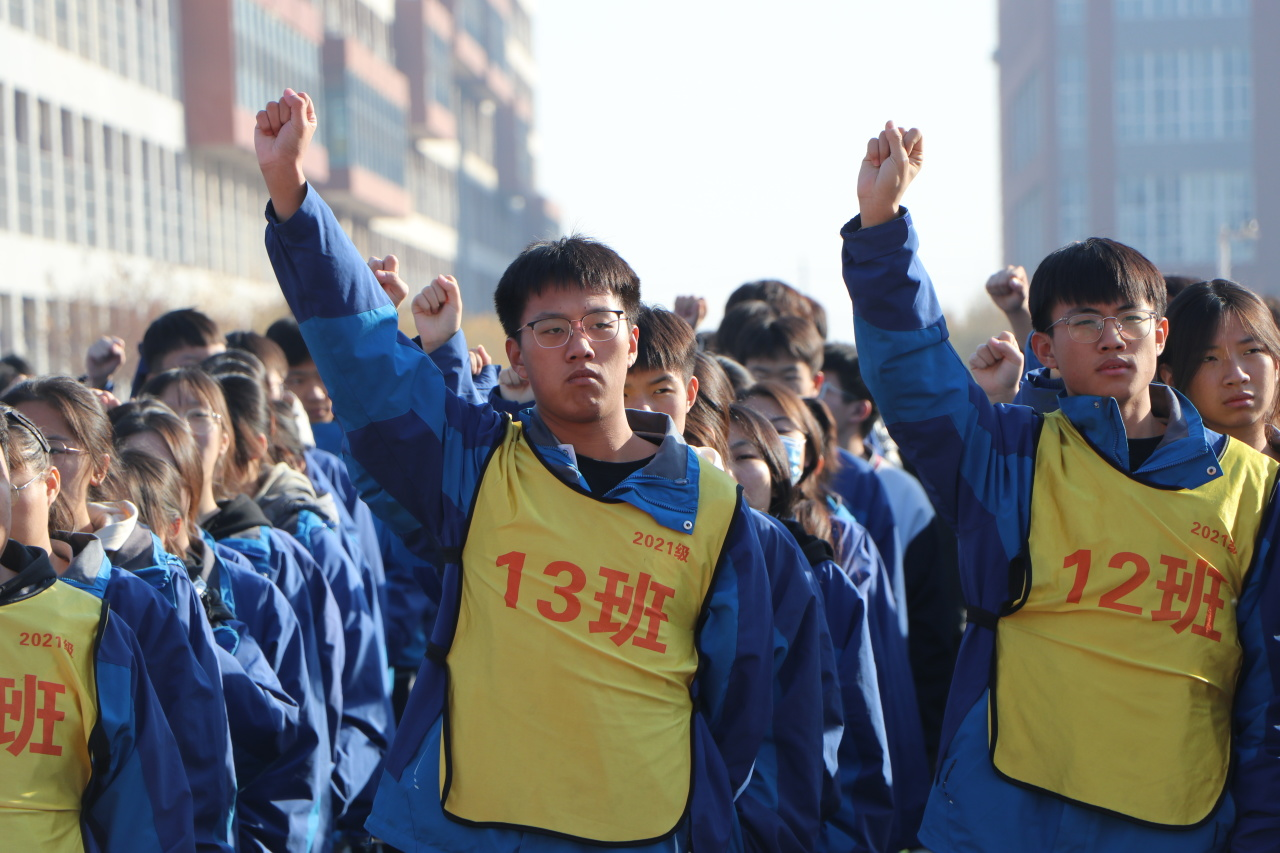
[(710, 601)]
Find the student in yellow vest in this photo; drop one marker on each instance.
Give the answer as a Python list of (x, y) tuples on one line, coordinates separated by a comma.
[(1113, 686), (599, 671), (86, 756)]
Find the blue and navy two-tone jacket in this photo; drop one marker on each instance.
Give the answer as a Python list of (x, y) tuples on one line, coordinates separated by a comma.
[(277, 726), (427, 450), (191, 699), (138, 799), (367, 722), (976, 462), (241, 527)]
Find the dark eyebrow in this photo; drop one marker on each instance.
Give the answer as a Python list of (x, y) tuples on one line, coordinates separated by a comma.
[(666, 377)]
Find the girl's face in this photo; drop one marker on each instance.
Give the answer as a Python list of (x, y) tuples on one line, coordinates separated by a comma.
[(750, 470), (1235, 386), (212, 437), (31, 496), (75, 467)]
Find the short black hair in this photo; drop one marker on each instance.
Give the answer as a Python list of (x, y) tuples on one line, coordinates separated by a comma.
[(740, 379), (288, 337), (666, 342), (841, 361), (1096, 270), (19, 364), (739, 316), (782, 337), (185, 327), (573, 261)]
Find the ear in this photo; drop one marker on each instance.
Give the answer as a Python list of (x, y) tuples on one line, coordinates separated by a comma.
[(860, 411), (516, 359), (633, 346), (260, 445), (691, 393), (53, 484), (1165, 373), (818, 378), (99, 473), (1162, 334), (1042, 346)]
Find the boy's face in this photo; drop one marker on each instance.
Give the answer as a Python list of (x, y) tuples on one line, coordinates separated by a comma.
[(304, 381), (795, 373), (1112, 366), (849, 411), (663, 391), (582, 380)]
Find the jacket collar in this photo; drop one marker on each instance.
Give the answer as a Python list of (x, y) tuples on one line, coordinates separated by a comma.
[(666, 488), (235, 516), (89, 567), (1187, 456), (34, 572)]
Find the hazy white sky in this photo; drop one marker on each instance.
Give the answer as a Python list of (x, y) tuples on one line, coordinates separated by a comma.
[(713, 142)]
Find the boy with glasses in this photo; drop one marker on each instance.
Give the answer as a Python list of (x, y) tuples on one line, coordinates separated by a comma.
[(599, 671), (1113, 687)]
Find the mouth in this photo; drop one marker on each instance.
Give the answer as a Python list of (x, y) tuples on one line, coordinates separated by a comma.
[(1240, 401), (1115, 367), (583, 377)]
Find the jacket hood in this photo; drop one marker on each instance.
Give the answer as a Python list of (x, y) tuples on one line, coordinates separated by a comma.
[(234, 516), (285, 493)]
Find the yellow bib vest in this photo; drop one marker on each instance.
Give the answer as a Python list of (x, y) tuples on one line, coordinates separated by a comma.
[(48, 707), (1114, 680), (568, 707)]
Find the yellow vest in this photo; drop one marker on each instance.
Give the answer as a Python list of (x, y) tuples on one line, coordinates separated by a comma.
[(48, 707), (568, 706), (1114, 680)]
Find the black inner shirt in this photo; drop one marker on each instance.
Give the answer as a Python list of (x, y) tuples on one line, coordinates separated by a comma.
[(1140, 450), (601, 477)]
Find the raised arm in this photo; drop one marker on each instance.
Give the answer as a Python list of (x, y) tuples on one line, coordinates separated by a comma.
[(422, 446), (971, 455)]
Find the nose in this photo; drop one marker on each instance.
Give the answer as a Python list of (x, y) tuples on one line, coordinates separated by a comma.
[(1111, 337), (579, 345), (1235, 373)]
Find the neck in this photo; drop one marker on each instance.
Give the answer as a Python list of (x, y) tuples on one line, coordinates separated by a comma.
[(80, 520), (608, 440), (854, 444), (6, 574), (1139, 420), (1254, 435), (208, 503)]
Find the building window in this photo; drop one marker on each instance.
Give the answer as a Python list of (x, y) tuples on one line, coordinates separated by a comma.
[(1073, 209), (1145, 10), (1176, 218), (1072, 117), (1184, 95), (1026, 132), (1028, 230)]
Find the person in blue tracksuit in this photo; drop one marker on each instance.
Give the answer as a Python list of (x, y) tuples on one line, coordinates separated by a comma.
[(858, 811), (286, 498), (237, 526), (281, 755), (732, 681), (129, 791), (72, 419), (979, 461)]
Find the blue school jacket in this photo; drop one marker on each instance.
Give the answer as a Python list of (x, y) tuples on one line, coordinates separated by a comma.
[(406, 431), (138, 799), (190, 697), (976, 462)]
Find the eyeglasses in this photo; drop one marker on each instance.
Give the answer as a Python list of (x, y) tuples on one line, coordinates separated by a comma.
[(829, 391), (57, 448), (29, 482), (1087, 328), (201, 421), (552, 332)]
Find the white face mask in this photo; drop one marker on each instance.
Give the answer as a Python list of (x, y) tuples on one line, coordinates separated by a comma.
[(795, 456)]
